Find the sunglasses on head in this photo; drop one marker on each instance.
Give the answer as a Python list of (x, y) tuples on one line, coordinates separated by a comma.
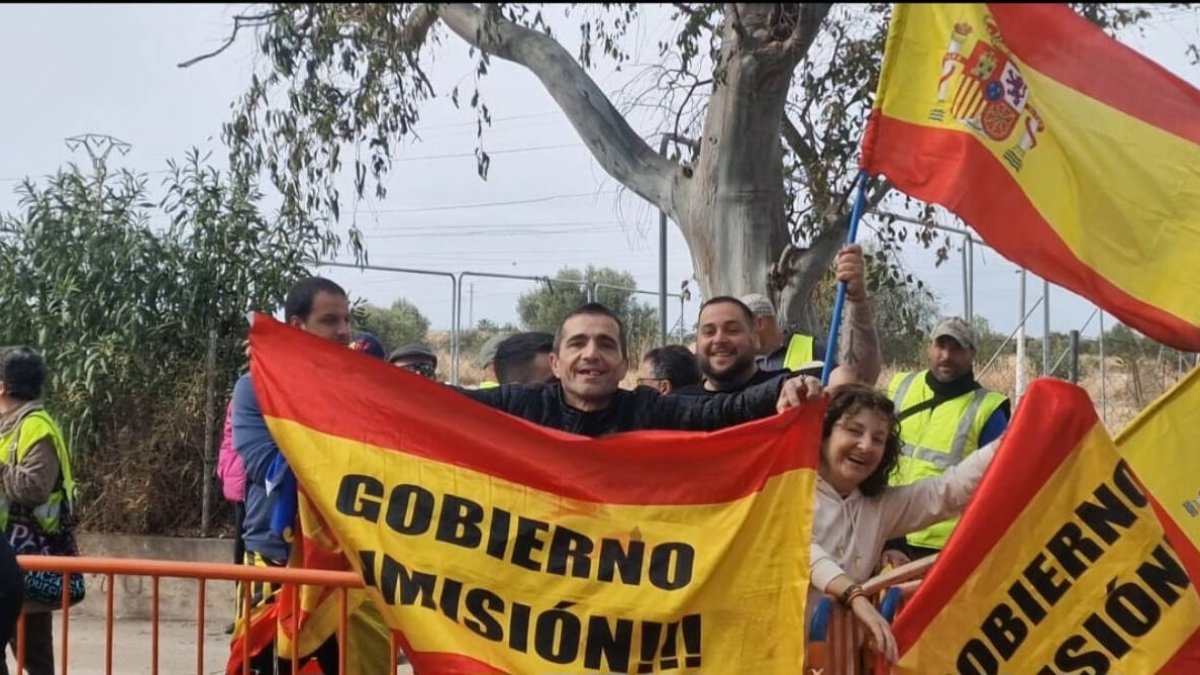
[(423, 368)]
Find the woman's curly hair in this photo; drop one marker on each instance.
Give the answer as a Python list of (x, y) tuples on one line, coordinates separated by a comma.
[(848, 400)]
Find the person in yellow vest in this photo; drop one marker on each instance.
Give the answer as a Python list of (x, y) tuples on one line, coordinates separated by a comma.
[(36, 489), (795, 351), (945, 415)]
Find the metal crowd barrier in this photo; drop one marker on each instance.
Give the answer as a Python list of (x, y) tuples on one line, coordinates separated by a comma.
[(836, 643), (110, 568)]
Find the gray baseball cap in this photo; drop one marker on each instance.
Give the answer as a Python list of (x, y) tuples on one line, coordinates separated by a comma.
[(759, 304), (487, 353), (956, 328)]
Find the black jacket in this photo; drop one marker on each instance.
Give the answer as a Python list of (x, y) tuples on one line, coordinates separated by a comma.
[(642, 408), (12, 590)]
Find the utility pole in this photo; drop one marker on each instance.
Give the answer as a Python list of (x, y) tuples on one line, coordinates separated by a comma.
[(471, 307)]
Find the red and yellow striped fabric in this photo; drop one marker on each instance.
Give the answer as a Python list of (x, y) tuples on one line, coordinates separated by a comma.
[(1060, 563), (494, 545), (1069, 153)]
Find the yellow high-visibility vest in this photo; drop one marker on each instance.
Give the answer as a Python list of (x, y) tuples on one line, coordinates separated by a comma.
[(15, 446), (936, 439), (799, 352)]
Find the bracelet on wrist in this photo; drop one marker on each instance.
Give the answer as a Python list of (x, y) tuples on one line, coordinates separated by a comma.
[(852, 591)]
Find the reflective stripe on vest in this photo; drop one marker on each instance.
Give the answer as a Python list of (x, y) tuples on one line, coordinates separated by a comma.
[(958, 446), (15, 445), (799, 352), (937, 439)]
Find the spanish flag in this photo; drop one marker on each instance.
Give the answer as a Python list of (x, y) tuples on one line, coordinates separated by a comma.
[(492, 545), (1160, 446), (1060, 563), (1070, 154)]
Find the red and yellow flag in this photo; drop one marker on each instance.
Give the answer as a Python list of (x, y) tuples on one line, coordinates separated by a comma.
[(1160, 446), (1069, 153), (494, 545), (1058, 565)]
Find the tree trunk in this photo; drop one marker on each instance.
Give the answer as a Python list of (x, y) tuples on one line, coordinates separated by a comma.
[(733, 217)]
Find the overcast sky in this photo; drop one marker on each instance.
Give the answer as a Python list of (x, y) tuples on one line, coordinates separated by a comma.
[(72, 69)]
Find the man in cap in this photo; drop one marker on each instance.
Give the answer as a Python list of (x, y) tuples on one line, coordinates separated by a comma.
[(789, 350), (945, 415), (487, 359), (415, 358)]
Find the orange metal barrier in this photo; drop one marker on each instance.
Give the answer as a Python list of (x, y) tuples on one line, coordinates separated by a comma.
[(836, 642), (202, 573)]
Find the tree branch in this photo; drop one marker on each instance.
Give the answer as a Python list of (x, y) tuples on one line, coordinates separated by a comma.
[(239, 22), (808, 157), (808, 24), (615, 145), (694, 15)]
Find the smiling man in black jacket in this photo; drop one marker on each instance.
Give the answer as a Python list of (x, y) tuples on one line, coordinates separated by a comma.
[(590, 359)]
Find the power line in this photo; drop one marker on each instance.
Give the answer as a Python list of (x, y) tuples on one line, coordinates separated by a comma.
[(514, 202)]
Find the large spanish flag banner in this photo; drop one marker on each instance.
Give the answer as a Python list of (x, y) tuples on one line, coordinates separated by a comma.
[(496, 546), (1160, 446), (1069, 153), (1058, 565)]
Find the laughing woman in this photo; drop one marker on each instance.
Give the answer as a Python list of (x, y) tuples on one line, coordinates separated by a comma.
[(856, 509)]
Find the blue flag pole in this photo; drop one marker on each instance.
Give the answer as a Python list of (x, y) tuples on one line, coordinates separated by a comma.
[(836, 322)]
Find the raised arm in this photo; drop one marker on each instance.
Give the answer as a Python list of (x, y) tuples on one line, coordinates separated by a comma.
[(914, 507)]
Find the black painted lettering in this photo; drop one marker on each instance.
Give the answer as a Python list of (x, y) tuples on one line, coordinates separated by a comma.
[(671, 565), (627, 562), (607, 648), (556, 636), (1101, 517), (480, 604), (518, 627), (449, 598), (1026, 601), (395, 577), (360, 496), (410, 509), (498, 534), (367, 558), (1071, 657), (1166, 578), (459, 522), (1133, 609), (1108, 638), (975, 658), (1042, 577), (1005, 630), (1128, 485), (1073, 550), (527, 542), (568, 545)]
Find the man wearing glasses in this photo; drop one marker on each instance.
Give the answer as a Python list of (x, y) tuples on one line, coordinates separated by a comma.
[(415, 358)]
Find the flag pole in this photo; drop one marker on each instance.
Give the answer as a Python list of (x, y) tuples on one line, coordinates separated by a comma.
[(840, 300)]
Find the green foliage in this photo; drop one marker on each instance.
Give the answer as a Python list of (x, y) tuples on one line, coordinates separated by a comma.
[(545, 308), (123, 311), (396, 326)]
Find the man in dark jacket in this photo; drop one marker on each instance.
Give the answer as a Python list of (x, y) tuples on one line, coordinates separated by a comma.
[(12, 593), (590, 360)]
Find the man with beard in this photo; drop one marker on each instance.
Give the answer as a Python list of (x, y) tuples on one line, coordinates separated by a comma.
[(728, 342), (945, 415)]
